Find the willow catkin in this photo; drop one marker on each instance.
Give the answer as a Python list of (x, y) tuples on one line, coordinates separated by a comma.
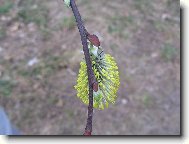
[(107, 75)]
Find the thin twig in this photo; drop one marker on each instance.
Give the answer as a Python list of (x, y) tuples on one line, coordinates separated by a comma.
[(91, 78)]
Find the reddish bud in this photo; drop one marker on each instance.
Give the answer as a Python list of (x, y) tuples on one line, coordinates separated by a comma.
[(94, 40), (87, 133), (95, 86)]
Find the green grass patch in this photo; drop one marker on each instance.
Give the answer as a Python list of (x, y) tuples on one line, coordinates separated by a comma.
[(46, 33), (173, 6), (45, 68), (119, 24), (144, 6), (2, 33), (5, 8), (37, 70), (159, 25), (168, 52), (68, 23), (31, 12), (38, 15), (147, 100), (6, 87)]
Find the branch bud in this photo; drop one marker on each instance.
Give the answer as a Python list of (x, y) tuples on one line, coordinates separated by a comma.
[(94, 40)]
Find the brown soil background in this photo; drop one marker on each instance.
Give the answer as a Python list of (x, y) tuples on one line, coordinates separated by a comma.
[(142, 35)]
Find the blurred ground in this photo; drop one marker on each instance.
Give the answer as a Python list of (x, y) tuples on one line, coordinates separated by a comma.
[(39, 61)]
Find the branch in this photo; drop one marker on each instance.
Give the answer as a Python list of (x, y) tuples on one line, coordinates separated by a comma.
[(91, 78)]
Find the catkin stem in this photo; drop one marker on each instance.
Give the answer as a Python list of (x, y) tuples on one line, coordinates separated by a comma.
[(91, 78)]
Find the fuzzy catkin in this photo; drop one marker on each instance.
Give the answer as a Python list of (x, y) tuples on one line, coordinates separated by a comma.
[(107, 75)]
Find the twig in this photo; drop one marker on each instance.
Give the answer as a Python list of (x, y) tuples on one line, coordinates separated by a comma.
[(91, 78)]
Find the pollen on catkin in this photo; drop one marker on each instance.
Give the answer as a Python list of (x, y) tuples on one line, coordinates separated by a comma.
[(107, 75)]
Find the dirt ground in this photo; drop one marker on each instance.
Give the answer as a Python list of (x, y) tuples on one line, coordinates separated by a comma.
[(40, 52)]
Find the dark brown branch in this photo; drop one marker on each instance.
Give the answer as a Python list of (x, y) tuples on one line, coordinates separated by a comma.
[(91, 78)]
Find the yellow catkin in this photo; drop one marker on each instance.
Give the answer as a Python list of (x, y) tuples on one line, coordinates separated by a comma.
[(108, 85)]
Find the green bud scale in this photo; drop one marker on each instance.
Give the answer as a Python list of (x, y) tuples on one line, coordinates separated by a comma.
[(67, 3)]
